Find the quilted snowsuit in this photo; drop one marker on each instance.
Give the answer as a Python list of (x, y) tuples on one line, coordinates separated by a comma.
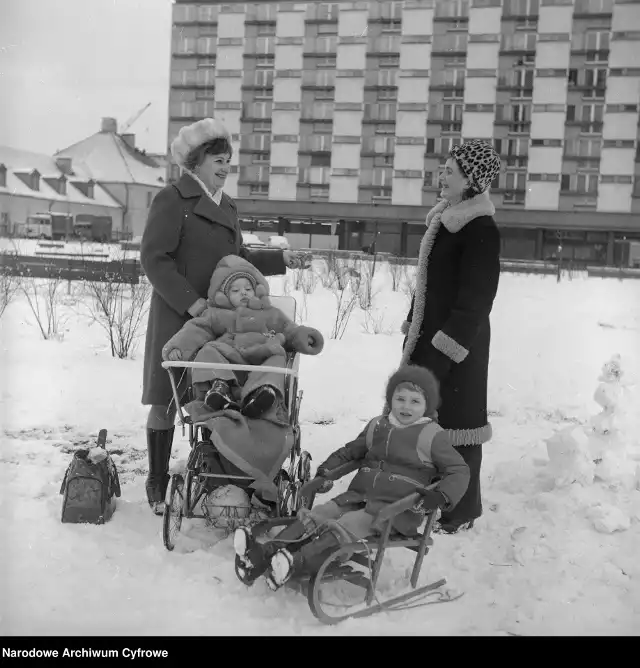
[(258, 334), (396, 462)]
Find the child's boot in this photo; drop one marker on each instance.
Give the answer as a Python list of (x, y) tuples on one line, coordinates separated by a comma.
[(219, 396), (259, 402), (251, 560)]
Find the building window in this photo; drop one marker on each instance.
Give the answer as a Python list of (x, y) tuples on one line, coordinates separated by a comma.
[(521, 41), (207, 45), (263, 78), (515, 181), (314, 175), (316, 143), (389, 61), (593, 7), (320, 110), (512, 147), (185, 13), (592, 113), (264, 61), (254, 173), (452, 41), (387, 77), (383, 144), (326, 94), (207, 13), (263, 93), (327, 29), (388, 94), (259, 189), (185, 45), (264, 45), (259, 110), (325, 44), (262, 126), (183, 77), (328, 62), (319, 192), (595, 77), (326, 11), (382, 177), (205, 77), (597, 40), (522, 7), (266, 29), (452, 8)]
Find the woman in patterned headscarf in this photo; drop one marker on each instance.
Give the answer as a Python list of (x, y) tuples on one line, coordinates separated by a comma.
[(448, 324)]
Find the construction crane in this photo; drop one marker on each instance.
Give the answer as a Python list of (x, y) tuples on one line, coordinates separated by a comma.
[(134, 118)]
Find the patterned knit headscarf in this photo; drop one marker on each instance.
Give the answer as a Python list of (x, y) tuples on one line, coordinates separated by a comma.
[(479, 162)]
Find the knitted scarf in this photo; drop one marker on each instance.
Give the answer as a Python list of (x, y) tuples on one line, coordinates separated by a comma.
[(454, 218)]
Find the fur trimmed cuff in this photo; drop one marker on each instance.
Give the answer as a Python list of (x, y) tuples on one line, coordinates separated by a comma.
[(449, 347), (404, 328), (477, 436)]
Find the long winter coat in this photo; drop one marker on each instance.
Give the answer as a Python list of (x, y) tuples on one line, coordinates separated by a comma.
[(186, 236), (449, 332), (395, 462)]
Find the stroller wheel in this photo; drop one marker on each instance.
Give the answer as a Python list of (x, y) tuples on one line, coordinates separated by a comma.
[(172, 519)]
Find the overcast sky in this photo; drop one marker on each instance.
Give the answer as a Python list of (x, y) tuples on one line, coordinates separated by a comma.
[(64, 64)]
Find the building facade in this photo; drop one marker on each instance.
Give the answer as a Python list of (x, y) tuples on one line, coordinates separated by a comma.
[(342, 114), (131, 176), (32, 183)]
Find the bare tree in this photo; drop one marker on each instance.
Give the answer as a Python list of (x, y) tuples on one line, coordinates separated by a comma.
[(119, 309)]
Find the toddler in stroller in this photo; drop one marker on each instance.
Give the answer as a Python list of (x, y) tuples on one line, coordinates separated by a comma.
[(240, 326)]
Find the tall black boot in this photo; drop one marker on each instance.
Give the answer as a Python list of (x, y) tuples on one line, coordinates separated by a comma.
[(159, 442)]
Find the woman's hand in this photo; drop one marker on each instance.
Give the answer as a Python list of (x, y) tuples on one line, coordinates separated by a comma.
[(174, 355), (297, 259)]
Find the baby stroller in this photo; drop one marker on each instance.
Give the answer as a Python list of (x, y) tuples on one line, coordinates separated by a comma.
[(189, 494)]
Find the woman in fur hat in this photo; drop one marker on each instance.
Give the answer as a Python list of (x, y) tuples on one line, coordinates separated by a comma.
[(191, 226), (448, 327)]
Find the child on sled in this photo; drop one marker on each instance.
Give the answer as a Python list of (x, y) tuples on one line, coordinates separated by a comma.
[(240, 326), (399, 454)]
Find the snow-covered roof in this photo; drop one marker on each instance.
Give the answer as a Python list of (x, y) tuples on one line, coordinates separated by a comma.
[(24, 163), (106, 157)]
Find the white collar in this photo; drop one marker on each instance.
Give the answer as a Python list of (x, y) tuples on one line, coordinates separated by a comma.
[(394, 421), (215, 197)]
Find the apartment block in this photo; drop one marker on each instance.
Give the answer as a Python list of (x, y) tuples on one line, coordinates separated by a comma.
[(343, 113)]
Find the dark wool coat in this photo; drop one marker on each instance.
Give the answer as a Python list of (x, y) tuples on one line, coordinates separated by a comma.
[(462, 273), (395, 462), (186, 236)]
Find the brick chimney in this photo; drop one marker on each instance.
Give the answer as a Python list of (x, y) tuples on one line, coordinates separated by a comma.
[(109, 125), (64, 165), (129, 139)]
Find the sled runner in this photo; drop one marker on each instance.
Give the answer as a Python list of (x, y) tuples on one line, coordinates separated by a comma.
[(345, 586), (193, 495)]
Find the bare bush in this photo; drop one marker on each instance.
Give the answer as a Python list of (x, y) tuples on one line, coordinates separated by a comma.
[(374, 323), (305, 280), (365, 290), (409, 283), (339, 270), (346, 294), (302, 310), (397, 270), (8, 288), (119, 309), (44, 296)]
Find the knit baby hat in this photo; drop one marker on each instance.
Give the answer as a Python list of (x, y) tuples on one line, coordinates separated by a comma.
[(479, 161), (423, 379), (231, 278)]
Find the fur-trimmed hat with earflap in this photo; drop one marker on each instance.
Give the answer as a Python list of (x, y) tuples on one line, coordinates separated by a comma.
[(424, 381), (196, 134), (228, 270)]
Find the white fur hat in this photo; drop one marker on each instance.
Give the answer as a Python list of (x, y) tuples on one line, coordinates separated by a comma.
[(195, 135)]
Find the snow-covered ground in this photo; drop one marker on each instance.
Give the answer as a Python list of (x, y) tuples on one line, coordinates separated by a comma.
[(534, 564)]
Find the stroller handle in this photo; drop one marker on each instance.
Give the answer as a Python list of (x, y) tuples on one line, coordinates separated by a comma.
[(233, 367)]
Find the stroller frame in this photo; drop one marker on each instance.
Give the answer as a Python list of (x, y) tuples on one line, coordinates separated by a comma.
[(185, 492)]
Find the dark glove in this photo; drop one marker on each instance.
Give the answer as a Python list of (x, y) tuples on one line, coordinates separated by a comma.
[(327, 485), (432, 500)]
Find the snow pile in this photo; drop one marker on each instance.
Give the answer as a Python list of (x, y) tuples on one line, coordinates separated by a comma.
[(602, 452)]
